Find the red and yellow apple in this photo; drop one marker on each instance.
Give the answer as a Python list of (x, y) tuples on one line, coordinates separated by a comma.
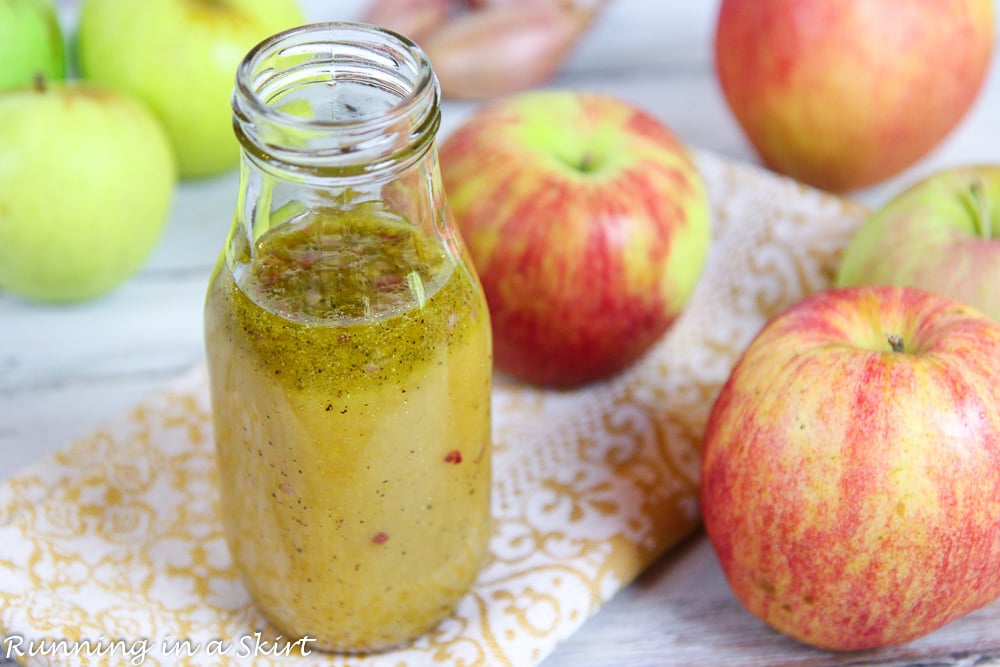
[(588, 223), (941, 234), (851, 467), (843, 95)]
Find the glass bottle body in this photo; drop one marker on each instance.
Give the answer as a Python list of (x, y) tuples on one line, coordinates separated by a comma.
[(348, 346)]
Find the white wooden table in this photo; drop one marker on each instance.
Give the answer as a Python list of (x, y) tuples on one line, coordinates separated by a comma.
[(65, 370)]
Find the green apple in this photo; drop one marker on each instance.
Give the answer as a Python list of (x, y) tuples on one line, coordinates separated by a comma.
[(31, 42), (86, 181), (180, 58), (942, 234)]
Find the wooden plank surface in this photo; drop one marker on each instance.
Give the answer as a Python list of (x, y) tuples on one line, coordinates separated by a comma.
[(680, 613)]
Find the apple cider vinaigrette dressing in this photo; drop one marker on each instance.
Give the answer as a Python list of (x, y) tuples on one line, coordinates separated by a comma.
[(354, 357), (349, 353), (343, 267)]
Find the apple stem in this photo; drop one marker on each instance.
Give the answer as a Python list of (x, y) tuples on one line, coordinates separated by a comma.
[(895, 342), (39, 82), (981, 210)]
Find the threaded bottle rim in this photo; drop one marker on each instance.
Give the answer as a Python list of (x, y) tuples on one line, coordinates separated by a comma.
[(338, 99)]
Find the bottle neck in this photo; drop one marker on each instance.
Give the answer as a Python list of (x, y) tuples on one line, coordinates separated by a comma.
[(344, 103), (332, 117)]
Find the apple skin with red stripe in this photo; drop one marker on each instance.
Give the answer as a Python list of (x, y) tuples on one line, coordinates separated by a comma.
[(851, 467), (588, 223), (843, 95), (942, 233)]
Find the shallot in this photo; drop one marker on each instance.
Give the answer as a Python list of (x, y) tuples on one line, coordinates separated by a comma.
[(501, 49)]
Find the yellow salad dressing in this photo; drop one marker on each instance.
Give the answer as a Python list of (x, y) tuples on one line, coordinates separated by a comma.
[(350, 364)]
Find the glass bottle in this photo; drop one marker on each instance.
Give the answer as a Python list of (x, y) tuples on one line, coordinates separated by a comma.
[(348, 346)]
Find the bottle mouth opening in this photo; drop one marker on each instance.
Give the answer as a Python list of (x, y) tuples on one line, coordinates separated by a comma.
[(336, 95)]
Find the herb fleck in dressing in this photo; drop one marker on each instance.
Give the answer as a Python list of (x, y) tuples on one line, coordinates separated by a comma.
[(350, 365)]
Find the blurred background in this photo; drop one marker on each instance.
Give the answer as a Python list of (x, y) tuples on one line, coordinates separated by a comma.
[(659, 55)]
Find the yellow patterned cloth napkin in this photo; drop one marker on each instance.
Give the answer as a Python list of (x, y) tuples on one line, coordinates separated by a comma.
[(111, 551)]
